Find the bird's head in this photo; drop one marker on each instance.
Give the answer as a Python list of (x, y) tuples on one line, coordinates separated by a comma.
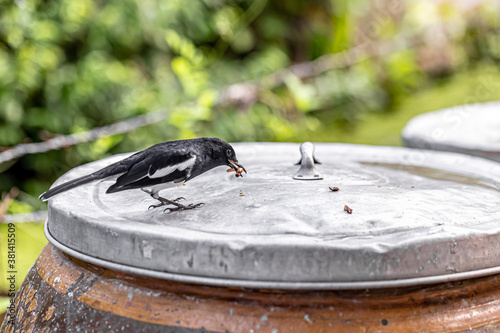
[(225, 155), (232, 161)]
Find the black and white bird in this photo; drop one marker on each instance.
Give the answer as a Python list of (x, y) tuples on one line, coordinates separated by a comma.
[(161, 166)]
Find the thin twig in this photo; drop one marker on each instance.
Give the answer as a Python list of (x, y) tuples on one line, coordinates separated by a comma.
[(62, 141), (343, 59), (6, 200), (246, 93)]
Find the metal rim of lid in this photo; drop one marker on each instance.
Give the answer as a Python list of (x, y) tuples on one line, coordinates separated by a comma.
[(260, 284)]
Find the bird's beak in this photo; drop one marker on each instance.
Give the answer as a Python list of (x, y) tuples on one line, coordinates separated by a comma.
[(236, 167)]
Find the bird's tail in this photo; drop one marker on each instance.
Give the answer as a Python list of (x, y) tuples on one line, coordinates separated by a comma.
[(69, 185), (111, 170)]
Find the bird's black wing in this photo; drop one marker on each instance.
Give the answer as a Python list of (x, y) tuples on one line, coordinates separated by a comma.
[(158, 166)]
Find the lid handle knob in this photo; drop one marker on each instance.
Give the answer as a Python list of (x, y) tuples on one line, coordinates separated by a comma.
[(307, 170)]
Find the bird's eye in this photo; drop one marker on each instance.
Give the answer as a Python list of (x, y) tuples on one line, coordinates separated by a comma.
[(228, 153)]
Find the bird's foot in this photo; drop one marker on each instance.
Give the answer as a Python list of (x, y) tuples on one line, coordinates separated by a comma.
[(183, 207), (175, 202), (164, 202)]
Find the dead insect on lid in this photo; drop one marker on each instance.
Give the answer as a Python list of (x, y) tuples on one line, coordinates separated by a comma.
[(334, 189), (347, 209)]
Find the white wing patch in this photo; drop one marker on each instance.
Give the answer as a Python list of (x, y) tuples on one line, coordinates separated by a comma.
[(171, 168)]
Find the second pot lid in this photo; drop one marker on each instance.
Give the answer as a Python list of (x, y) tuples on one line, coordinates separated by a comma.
[(472, 129)]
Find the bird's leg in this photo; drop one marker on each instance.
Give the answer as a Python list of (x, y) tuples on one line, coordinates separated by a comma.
[(163, 201), (175, 202)]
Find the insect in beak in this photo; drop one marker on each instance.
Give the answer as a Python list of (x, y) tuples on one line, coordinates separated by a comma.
[(236, 167)]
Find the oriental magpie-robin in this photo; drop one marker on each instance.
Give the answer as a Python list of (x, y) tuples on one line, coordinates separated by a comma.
[(161, 166)]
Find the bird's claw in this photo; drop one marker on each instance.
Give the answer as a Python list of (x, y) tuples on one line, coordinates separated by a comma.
[(156, 206), (164, 202), (175, 202), (183, 207)]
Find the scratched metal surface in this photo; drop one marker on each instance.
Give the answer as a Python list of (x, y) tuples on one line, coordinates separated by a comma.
[(416, 214), (472, 129)]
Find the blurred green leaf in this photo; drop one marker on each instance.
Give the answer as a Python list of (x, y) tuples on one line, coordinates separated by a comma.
[(302, 94), (18, 207)]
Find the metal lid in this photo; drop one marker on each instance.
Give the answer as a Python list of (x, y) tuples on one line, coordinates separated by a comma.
[(417, 217), (472, 129)]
